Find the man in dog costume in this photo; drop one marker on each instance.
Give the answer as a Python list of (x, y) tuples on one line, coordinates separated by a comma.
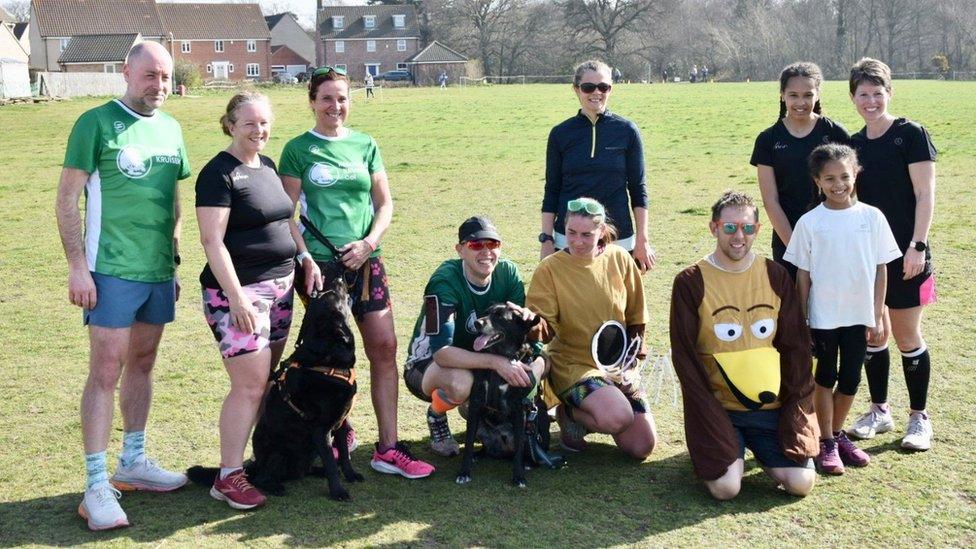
[(741, 349), (442, 353)]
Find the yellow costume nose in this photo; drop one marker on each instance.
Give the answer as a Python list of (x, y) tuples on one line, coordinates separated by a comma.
[(752, 375)]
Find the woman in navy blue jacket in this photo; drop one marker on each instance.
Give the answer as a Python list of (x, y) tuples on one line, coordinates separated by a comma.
[(597, 154)]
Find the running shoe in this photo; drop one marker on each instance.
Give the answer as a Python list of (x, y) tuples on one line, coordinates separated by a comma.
[(875, 421), (146, 474), (442, 441), (100, 507), (399, 461), (237, 491), (849, 453), (918, 434), (828, 461)]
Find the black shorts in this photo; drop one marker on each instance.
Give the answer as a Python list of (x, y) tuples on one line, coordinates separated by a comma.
[(369, 289), (918, 290), (413, 377)]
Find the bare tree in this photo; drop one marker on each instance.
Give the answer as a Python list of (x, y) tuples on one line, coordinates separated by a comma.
[(604, 22), (487, 18), (19, 9)]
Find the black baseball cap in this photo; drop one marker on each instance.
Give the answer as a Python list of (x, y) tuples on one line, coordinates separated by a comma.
[(478, 228)]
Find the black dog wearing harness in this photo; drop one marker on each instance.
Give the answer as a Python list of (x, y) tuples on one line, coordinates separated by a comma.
[(504, 332), (311, 394)]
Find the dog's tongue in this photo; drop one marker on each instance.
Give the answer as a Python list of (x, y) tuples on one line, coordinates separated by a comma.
[(480, 342)]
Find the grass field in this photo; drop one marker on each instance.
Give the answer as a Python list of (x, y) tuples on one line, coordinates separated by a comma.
[(451, 154)]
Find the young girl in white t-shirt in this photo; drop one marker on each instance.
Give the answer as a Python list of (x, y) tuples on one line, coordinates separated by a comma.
[(840, 248)]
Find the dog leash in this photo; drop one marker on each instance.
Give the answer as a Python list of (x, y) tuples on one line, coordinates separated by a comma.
[(364, 270)]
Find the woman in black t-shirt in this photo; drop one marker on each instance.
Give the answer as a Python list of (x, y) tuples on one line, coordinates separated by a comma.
[(245, 226), (897, 177), (781, 153)]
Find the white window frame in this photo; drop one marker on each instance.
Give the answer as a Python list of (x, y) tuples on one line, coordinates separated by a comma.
[(209, 68), (63, 44), (399, 21), (402, 67), (369, 21), (252, 45), (253, 69), (377, 65), (401, 44), (218, 46), (338, 21), (370, 46), (340, 46), (277, 68), (186, 46)]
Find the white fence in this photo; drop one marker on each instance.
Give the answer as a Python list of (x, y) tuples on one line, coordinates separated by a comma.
[(74, 84), (14, 81)]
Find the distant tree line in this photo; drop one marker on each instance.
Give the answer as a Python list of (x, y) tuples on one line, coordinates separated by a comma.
[(736, 39)]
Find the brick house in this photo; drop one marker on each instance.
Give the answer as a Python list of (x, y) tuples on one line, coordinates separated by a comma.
[(54, 22), (369, 38), (292, 49), (227, 41)]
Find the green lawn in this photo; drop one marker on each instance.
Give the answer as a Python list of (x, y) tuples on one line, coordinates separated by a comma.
[(451, 154)]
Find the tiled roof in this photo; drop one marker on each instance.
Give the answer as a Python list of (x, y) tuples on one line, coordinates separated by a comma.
[(355, 28), (214, 21), (98, 48), (65, 18), (437, 53)]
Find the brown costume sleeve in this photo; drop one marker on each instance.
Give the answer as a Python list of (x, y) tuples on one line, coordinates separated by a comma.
[(799, 434), (708, 430)]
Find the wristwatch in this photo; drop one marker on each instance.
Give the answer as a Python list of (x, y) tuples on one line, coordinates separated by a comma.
[(543, 238), (177, 260), (919, 246)]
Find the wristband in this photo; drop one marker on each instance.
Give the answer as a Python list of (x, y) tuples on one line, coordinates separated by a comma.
[(369, 242), (301, 257)]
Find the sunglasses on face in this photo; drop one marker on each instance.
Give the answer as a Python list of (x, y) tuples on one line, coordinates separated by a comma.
[(591, 207), (326, 69), (748, 229), (478, 245), (590, 87)]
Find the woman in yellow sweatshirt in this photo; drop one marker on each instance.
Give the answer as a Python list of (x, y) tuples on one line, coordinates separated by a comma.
[(577, 291)]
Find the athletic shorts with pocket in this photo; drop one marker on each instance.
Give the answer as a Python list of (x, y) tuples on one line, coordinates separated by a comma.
[(369, 287), (119, 303), (413, 377), (918, 290)]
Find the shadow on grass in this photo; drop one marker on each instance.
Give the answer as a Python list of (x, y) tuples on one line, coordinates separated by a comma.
[(601, 498)]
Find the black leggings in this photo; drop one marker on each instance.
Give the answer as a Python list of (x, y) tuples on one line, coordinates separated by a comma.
[(851, 343)]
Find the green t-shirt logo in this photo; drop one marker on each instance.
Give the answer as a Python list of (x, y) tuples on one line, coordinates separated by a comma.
[(134, 161), (320, 175)]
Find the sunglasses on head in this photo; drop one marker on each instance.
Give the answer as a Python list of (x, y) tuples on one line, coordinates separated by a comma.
[(478, 245), (748, 229), (327, 69), (591, 207), (590, 87)]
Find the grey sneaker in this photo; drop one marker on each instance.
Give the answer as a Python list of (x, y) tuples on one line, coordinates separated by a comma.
[(100, 507), (147, 475), (875, 421), (918, 433), (442, 441), (571, 433)]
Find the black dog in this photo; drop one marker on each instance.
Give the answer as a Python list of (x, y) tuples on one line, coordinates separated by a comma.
[(504, 332), (311, 394)]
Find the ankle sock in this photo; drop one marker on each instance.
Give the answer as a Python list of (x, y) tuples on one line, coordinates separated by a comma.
[(877, 363), (440, 404), (916, 365), (226, 471), (133, 447), (95, 469)]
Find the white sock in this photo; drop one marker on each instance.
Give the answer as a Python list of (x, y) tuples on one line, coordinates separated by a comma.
[(225, 471)]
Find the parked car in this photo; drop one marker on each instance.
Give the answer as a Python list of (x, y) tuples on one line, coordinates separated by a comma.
[(398, 75), (285, 78)]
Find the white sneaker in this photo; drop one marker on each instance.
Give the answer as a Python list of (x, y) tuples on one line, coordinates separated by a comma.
[(100, 507), (147, 475), (918, 433), (877, 420)]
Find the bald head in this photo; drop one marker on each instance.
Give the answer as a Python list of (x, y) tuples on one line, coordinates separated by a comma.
[(148, 73)]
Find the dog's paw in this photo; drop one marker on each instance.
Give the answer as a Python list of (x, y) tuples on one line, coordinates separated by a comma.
[(340, 494), (463, 479), (518, 482), (353, 476), (277, 491)]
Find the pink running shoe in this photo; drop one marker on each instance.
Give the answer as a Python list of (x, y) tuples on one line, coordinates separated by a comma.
[(828, 461), (849, 453), (237, 491), (399, 461), (351, 442)]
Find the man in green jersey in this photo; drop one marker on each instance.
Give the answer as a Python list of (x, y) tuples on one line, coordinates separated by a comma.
[(127, 157), (438, 369)]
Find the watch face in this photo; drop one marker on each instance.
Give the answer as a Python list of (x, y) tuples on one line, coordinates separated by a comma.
[(920, 246), (543, 237)]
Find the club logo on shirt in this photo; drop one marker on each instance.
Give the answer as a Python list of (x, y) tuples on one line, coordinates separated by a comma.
[(469, 325), (119, 126), (898, 141), (779, 145), (314, 149), (321, 176), (134, 161)]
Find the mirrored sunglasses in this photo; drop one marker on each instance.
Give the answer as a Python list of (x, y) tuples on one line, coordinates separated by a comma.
[(478, 245), (748, 229)]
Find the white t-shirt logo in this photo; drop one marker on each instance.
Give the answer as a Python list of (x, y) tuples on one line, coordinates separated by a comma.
[(134, 161), (321, 176)]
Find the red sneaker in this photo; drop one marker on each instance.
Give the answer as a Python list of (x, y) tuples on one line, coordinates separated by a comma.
[(237, 491), (399, 461)]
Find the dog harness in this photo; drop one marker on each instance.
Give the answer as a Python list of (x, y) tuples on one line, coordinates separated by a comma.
[(348, 375)]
